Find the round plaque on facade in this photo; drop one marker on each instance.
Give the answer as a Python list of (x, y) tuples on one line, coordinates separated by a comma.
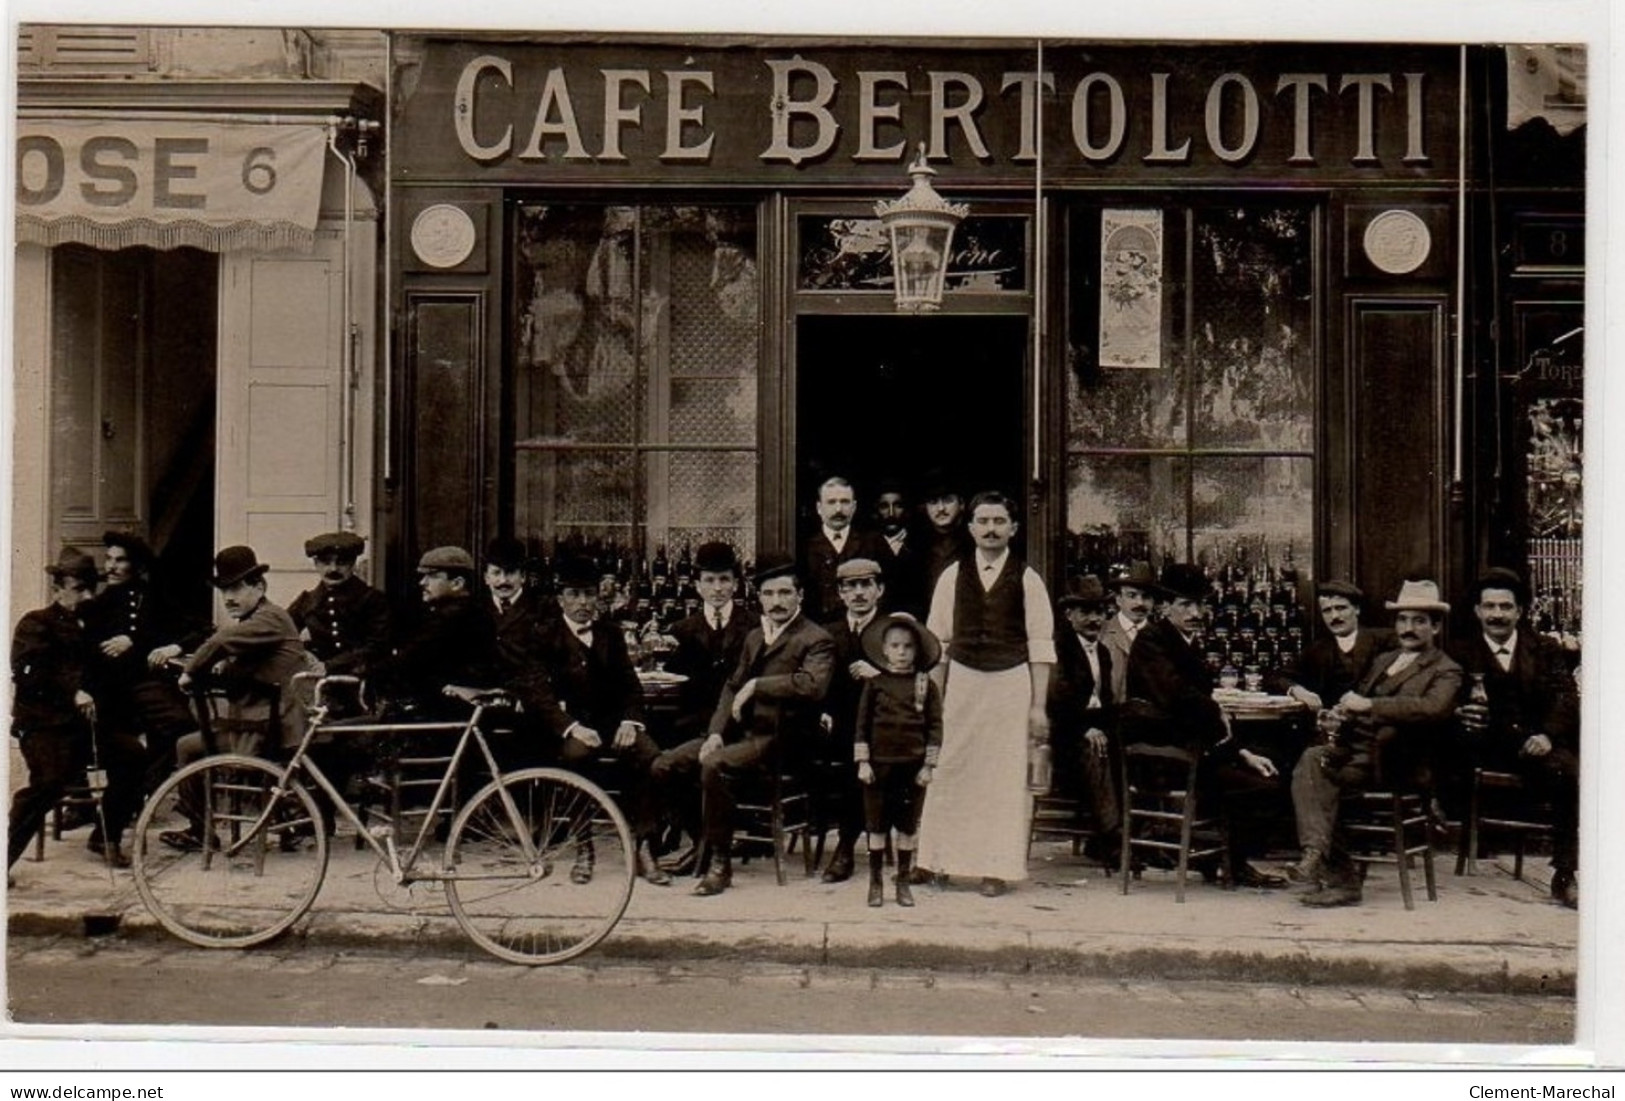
[(1397, 242), (443, 235)]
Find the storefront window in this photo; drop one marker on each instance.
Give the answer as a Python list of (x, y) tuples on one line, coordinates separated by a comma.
[(1190, 389), (843, 253), (635, 421)]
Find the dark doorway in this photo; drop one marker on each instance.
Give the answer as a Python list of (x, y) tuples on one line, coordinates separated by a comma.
[(902, 398)]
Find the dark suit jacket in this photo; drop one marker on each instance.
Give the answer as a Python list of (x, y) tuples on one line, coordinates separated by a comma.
[(49, 659), (263, 647), (1536, 696), (841, 702), (1327, 671), (1169, 674), (133, 609), (450, 644), (823, 599), (940, 551), (568, 683), (345, 625), (705, 657), (1072, 683), (792, 677), (514, 634), (904, 574)]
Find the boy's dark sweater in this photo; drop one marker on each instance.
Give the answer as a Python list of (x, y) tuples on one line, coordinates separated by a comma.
[(890, 727)]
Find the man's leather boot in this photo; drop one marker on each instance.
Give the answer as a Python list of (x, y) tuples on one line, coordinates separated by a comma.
[(840, 865), (718, 878)]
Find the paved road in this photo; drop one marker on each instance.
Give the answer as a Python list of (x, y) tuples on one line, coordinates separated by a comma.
[(112, 981)]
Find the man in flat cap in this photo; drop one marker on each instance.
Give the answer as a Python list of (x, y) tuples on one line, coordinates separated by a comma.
[(450, 646), (135, 631), (1530, 722), (771, 701), (863, 590), (343, 620), (514, 608), (53, 717), (1081, 706), (582, 691), (1381, 728)]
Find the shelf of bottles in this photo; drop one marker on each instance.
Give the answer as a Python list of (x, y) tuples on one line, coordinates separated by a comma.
[(1555, 589), (1255, 620), (645, 595)]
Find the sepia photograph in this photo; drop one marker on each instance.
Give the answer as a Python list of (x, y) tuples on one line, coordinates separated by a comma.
[(890, 541)]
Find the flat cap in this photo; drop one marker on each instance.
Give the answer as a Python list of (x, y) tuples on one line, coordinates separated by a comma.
[(345, 544), (854, 568), (446, 558)]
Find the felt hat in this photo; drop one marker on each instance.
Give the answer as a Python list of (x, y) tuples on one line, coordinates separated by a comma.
[(716, 557), (1499, 577), (138, 549), (1418, 596), (935, 487), (446, 559), (1185, 581), (236, 564), (578, 573), (1138, 576), (344, 544), (854, 568), (75, 564), (873, 641), (506, 553), (1348, 590), (1082, 592), (771, 564)]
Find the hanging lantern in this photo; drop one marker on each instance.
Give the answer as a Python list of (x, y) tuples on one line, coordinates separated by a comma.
[(921, 226)]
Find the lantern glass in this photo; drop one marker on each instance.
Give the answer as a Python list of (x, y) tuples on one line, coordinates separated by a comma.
[(920, 262)]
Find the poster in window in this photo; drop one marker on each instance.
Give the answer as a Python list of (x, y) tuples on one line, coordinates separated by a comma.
[(1131, 288)]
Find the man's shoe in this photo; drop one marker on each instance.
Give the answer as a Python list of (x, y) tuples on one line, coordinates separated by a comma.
[(717, 880), (919, 877), (839, 869), (993, 888), (877, 893), (116, 857), (681, 862), (905, 895), (185, 841), (1310, 869), (1253, 879), (653, 872), (1333, 896), (1566, 889)]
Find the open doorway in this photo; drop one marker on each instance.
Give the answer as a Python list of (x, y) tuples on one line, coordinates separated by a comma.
[(908, 399)]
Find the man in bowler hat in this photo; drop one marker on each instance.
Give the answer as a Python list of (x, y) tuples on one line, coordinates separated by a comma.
[(1082, 744), (1136, 596), (515, 609)]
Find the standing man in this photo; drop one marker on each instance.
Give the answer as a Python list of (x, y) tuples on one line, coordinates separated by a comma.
[(770, 704), (1530, 724), (515, 610), (1080, 710), (1136, 596), (583, 692), (993, 615), (902, 562), (1167, 671), (134, 635), (1385, 724), (343, 621), (946, 538), (836, 541), (862, 591)]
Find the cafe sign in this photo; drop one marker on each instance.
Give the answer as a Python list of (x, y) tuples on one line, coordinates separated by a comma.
[(517, 112)]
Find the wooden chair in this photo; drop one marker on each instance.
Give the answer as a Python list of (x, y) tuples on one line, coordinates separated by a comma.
[(776, 810), (1516, 819), (1391, 827), (1056, 817), (1161, 817), (75, 798)]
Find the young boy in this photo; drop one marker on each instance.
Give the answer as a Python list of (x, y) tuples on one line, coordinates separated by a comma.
[(898, 737), (52, 713)]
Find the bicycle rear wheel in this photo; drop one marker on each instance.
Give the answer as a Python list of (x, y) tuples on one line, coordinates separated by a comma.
[(222, 860), (541, 866)]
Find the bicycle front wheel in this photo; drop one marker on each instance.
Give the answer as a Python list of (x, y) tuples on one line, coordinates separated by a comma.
[(541, 866), (222, 859)]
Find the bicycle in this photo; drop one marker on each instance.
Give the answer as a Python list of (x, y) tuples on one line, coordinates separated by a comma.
[(231, 850)]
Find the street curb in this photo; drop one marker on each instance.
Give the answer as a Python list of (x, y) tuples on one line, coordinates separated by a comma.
[(1496, 972)]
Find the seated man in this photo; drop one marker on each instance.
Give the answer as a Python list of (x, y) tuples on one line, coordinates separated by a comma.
[(1529, 723), (1135, 594), (774, 694), (581, 690), (343, 621), (450, 647), (1387, 722), (1080, 711), (515, 609), (1167, 672)]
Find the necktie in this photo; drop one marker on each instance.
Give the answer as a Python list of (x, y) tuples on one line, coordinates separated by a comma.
[(504, 605), (1503, 657), (716, 619)]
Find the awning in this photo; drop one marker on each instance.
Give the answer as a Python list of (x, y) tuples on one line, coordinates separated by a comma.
[(220, 186)]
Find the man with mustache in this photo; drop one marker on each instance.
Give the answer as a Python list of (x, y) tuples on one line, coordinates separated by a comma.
[(1531, 723), (343, 621), (835, 541), (902, 562), (515, 610), (947, 540), (1382, 729), (1136, 593)]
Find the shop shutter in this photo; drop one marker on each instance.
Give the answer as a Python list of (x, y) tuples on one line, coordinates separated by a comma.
[(82, 49)]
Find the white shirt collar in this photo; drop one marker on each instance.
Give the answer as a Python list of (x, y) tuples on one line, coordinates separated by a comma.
[(988, 572), (896, 541), (1129, 626), (771, 631), (1511, 644), (837, 539), (1346, 643), (857, 624), (720, 617), (512, 600)]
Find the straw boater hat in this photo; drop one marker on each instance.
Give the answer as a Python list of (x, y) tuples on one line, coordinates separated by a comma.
[(345, 544), (873, 641), (1139, 576), (75, 564), (236, 564), (1082, 592), (1418, 596)]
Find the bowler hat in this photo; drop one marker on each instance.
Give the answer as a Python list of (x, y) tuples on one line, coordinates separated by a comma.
[(854, 568), (1082, 592), (935, 487), (1418, 596), (1138, 575), (136, 548), (75, 564), (1348, 590), (873, 641), (578, 573), (1185, 581), (446, 560), (236, 564), (771, 564), (506, 553), (716, 557), (344, 544), (1499, 577)]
